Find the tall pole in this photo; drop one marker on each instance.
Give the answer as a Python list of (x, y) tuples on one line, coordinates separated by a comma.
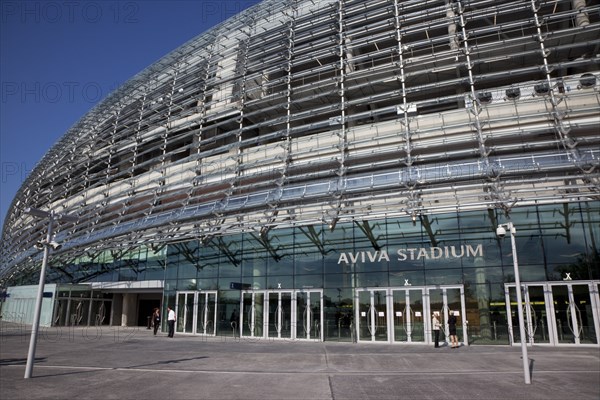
[(513, 243), (38, 302)]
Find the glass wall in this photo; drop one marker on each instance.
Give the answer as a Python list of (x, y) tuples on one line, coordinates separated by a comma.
[(554, 243)]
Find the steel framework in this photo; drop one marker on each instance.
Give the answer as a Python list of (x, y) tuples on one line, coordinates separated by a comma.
[(303, 112)]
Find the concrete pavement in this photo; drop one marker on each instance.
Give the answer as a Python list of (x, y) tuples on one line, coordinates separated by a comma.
[(132, 363)]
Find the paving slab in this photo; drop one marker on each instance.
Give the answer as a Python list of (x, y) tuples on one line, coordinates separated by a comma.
[(132, 363)]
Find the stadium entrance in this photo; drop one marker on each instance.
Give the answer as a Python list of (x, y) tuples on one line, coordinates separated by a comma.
[(556, 313), (403, 314), (282, 314), (196, 312)]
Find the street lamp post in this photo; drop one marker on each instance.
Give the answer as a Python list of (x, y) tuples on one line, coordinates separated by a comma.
[(46, 244), (501, 232)]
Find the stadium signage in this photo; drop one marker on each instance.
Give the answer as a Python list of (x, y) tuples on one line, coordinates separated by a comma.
[(412, 254)]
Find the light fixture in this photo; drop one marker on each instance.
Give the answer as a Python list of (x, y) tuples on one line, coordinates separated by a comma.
[(333, 224), (40, 244), (501, 232), (46, 245), (55, 246)]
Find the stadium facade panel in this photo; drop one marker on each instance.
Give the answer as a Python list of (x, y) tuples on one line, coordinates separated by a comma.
[(336, 170)]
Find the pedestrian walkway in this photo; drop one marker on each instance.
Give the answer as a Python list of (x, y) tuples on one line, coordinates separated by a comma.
[(132, 363)]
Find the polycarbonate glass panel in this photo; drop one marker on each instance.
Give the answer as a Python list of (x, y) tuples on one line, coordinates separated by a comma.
[(528, 239), (437, 305), (211, 314), (335, 281), (280, 282), (274, 315), (563, 314), (515, 334), (79, 311), (536, 324), (229, 270), (441, 232), (308, 263), (335, 241), (154, 270), (454, 303), (180, 313), (61, 317), (372, 279), (189, 312), (498, 316), (481, 275), (583, 314), (417, 316), (256, 282), (208, 271), (100, 312), (252, 318), (255, 256), (475, 226), (366, 325), (444, 277), (400, 315), (380, 328), (207, 317), (302, 314), (529, 273), (564, 239), (314, 317), (186, 270), (479, 315), (208, 284), (187, 284), (281, 266), (202, 314), (309, 281), (285, 317), (404, 235)]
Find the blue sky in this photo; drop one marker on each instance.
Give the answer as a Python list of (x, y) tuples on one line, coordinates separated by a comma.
[(60, 58)]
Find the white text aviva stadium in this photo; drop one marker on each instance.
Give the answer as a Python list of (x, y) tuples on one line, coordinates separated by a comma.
[(334, 170)]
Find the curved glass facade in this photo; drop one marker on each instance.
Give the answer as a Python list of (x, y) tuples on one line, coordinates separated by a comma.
[(554, 243), (337, 169)]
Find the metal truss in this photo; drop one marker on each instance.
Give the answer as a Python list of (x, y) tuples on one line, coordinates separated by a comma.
[(304, 112)]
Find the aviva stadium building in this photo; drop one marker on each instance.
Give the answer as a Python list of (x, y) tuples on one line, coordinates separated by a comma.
[(333, 170)]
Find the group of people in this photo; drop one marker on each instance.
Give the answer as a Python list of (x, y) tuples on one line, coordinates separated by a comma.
[(436, 324), (170, 321)]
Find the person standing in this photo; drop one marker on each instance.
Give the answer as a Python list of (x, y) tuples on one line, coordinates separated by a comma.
[(452, 330), (435, 323), (171, 321), (156, 320)]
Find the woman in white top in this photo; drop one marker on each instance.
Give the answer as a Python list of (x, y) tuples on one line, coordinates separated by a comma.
[(435, 323)]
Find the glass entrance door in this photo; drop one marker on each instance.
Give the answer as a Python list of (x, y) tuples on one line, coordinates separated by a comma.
[(196, 312), (535, 312), (252, 318), (446, 300), (206, 313), (556, 313), (282, 314), (185, 312), (403, 314), (409, 315), (576, 314), (373, 315), (309, 315)]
